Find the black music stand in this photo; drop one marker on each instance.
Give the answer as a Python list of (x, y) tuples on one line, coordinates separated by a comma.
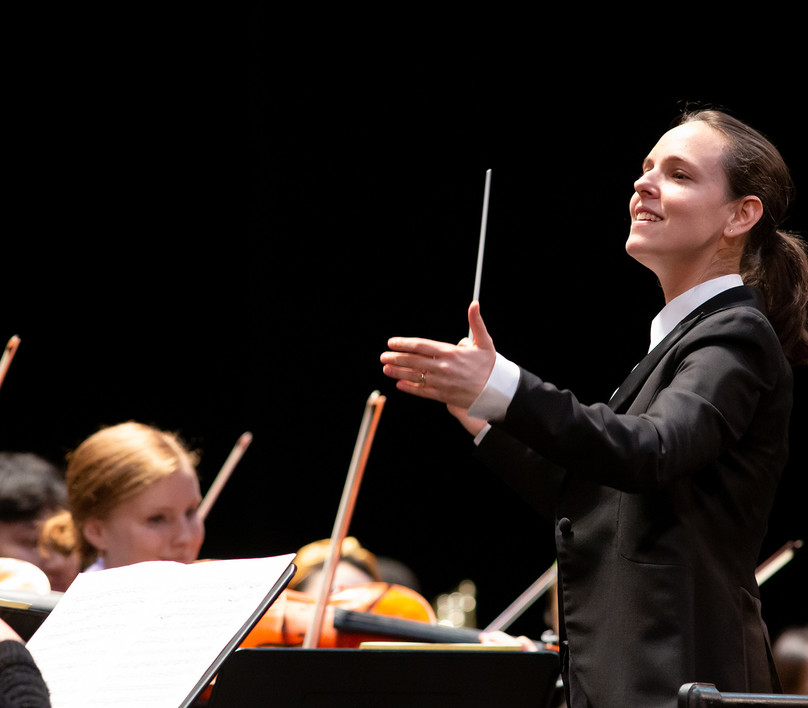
[(365, 678), (25, 611), (705, 695)]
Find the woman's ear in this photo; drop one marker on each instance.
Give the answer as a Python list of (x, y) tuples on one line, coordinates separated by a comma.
[(747, 213), (93, 530)]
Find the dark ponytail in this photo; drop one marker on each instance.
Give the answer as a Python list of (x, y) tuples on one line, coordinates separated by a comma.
[(779, 269), (773, 260)]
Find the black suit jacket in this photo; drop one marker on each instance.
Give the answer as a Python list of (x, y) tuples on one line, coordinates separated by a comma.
[(660, 500)]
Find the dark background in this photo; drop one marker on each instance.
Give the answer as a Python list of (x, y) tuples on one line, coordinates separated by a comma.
[(214, 230)]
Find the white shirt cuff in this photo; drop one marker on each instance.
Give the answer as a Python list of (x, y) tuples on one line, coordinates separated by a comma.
[(478, 438), (494, 399)]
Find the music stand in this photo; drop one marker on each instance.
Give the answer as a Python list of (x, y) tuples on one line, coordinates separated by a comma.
[(365, 678), (25, 611), (705, 695)]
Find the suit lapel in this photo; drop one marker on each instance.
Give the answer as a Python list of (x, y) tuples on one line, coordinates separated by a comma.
[(741, 295)]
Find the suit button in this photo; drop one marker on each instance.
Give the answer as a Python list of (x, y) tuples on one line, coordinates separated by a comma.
[(565, 526)]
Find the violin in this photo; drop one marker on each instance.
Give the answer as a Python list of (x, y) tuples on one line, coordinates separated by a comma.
[(286, 622), (369, 612)]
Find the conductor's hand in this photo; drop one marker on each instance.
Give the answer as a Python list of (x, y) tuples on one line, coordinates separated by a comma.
[(451, 373), (472, 425)]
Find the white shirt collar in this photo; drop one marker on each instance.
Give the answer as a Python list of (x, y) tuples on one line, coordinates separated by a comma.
[(98, 564), (684, 304)]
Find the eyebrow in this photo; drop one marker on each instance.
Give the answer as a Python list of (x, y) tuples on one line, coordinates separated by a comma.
[(669, 158)]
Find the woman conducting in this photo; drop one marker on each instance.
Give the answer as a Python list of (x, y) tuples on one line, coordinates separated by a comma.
[(660, 498)]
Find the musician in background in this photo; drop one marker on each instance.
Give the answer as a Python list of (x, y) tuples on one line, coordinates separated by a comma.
[(32, 491), (791, 657), (133, 494), (356, 565), (59, 550)]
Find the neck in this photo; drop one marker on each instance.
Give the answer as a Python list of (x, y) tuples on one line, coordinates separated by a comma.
[(674, 283), (679, 273)]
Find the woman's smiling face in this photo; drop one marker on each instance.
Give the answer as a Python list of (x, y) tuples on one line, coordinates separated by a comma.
[(680, 207)]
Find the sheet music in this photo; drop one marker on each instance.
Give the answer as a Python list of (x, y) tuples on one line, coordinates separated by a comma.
[(144, 634)]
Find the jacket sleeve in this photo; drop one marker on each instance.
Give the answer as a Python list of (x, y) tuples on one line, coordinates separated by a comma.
[(701, 398), (535, 479)]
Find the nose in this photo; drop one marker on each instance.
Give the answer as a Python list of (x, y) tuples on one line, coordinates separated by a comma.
[(189, 531), (645, 185)]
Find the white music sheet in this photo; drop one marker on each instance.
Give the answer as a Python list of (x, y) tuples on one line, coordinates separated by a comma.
[(144, 634)]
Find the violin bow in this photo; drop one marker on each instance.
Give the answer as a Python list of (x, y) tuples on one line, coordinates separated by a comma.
[(776, 561), (525, 600), (8, 355), (224, 474), (481, 248), (364, 441)]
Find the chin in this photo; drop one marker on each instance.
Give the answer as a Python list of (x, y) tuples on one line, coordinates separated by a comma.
[(183, 559), (635, 248)]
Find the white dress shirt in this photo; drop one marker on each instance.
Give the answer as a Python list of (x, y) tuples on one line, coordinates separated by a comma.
[(97, 565), (493, 401)]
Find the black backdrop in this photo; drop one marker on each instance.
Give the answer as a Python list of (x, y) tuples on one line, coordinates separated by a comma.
[(214, 234)]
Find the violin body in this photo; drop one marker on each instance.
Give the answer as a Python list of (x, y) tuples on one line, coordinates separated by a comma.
[(285, 623)]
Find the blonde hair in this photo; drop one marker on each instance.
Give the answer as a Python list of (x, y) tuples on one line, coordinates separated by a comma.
[(58, 534), (115, 464), (312, 557)]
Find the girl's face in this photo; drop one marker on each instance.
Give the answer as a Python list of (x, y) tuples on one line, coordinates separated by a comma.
[(680, 210), (159, 523)]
